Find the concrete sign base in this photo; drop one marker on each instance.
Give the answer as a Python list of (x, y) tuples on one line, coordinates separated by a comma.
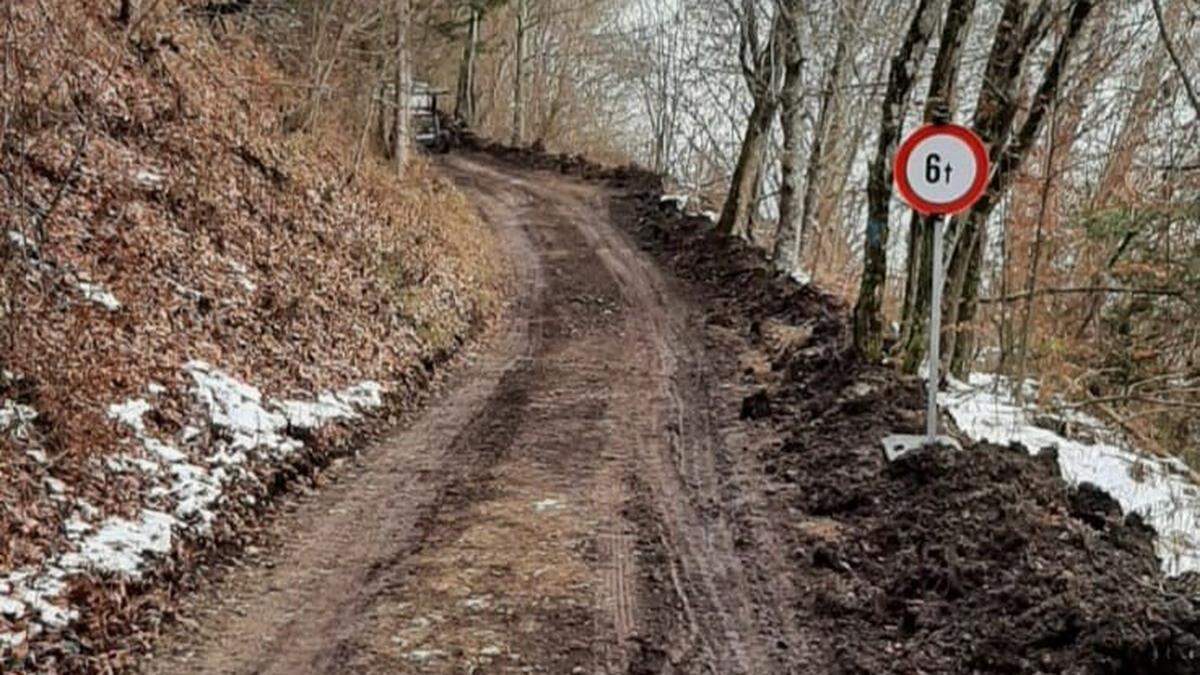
[(896, 446)]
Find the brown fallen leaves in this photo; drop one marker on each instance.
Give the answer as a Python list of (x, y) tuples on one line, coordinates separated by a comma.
[(151, 165)]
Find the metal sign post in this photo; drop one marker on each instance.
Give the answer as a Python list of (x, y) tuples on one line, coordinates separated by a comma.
[(935, 330), (940, 170)]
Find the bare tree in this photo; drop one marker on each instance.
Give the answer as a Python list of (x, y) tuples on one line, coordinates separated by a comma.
[(966, 264), (761, 67), (519, 76), (403, 87), (827, 120), (656, 43), (1035, 258), (1174, 54), (868, 311), (465, 94), (791, 118), (1111, 188), (939, 107)]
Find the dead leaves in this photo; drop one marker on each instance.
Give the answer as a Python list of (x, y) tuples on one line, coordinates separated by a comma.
[(222, 241)]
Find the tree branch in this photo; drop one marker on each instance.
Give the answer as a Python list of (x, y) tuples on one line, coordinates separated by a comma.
[(1166, 38), (1160, 292)]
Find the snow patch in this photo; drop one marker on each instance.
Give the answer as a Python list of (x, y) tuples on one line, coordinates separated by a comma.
[(12, 640), (76, 527), (1158, 489), (55, 486), (238, 408), (680, 202), (21, 241), (15, 416), (122, 546), (801, 276), (97, 294), (195, 491), (35, 593), (130, 414), (331, 406), (239, 270), (11, 608), (163, 451), (148, 179), (311, 414), (363, 395)]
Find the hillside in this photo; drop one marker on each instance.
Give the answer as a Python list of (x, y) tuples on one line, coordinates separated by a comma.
[(195, 304)]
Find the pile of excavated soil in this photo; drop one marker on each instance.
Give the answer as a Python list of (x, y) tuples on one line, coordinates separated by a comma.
[(976, 561), (980, 561)]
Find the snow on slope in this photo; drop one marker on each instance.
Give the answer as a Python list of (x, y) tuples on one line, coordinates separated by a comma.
[(1159, 489), (187, 495)]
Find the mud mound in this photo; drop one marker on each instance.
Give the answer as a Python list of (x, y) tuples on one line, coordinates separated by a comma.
[(535, 157), (982, 561), (946, 562)]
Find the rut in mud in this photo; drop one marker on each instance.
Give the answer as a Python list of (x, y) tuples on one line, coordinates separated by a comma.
[(559, 510)]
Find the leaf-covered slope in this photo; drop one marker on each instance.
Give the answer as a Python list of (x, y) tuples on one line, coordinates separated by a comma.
[(153, 213)]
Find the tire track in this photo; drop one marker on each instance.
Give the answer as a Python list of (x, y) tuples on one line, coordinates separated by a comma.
[(706, 572), (559, 511)]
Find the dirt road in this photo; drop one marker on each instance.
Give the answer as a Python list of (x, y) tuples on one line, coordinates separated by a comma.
[(562, 509)]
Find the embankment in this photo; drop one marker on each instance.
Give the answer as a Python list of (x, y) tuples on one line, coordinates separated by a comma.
[(198, 310)]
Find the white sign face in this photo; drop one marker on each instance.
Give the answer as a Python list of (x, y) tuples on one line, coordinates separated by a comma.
[(941, 169)]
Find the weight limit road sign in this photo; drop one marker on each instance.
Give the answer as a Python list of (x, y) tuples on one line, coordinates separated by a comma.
[(941, 170)]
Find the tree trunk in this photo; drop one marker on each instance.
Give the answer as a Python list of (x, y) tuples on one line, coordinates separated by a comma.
[(868, 310), (845, 128), (402, 84), (747, 175), (465, 97), (994, 112), (967, 263), (125, 12), (791, 118), (373, 112), (761, 68), (939, 107), (814, 174), (491, 103), (1170, 47), (383, 123), (518, 124), (1034, 262)]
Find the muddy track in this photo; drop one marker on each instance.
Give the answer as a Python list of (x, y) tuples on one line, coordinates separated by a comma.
[(570, 506)]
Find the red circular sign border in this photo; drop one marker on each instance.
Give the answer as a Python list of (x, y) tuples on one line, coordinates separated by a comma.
[(900, 176)]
